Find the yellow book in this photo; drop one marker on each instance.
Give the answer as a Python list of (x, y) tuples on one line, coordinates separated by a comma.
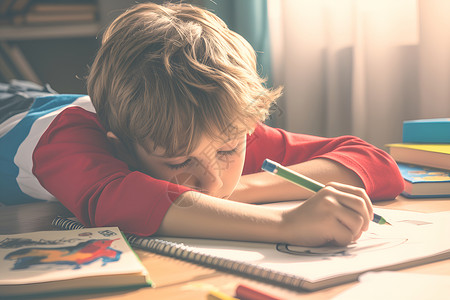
[(428, 155)]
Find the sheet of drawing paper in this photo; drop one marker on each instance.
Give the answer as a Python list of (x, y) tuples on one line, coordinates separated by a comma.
[(398, 285), (413, 236)]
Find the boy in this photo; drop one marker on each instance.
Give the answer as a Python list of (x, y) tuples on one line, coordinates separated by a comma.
[(171, 123)]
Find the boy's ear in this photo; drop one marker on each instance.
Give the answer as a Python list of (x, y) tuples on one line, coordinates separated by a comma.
[(121, 151)]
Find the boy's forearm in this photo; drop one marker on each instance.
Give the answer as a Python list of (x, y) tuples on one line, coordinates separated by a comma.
[(264, 187), (336, 214), (198, 215)]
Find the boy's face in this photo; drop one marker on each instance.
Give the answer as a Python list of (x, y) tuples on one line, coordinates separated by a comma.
[(213, 168)]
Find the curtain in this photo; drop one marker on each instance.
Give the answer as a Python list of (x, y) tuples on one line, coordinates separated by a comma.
[(360, 67), (249, 18)]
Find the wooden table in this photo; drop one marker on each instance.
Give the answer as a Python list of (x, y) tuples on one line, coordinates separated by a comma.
[(176, 279)]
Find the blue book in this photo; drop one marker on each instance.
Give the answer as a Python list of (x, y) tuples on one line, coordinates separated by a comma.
[(424, 182), (427, 131)]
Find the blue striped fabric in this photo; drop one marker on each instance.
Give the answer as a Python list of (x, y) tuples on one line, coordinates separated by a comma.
[(17, 183)]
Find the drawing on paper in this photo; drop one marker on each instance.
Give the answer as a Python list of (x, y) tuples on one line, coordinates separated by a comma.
[(415, 222), (81, 254), (364, 245), (371, 241)]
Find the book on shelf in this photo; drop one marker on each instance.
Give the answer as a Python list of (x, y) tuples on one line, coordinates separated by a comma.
[(427, 131), (414, 239), (60, 261), (49, 18), (61, 6), (11, 8), (19, 6), (48, 12), (428, 155), (424, 182)]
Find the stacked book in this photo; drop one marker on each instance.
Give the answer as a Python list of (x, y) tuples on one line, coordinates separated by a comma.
[(423, 157), (45, 12)]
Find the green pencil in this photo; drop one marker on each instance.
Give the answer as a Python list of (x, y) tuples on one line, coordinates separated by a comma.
[(303, 181)]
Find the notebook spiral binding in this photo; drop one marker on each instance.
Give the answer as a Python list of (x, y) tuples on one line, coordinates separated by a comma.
[(184, 252)]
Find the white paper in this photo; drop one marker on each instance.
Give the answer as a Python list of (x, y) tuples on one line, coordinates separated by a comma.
[(413, 236), (398, 285)]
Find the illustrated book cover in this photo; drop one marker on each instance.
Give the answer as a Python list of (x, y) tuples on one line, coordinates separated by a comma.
[(425, 182), (68, 260)]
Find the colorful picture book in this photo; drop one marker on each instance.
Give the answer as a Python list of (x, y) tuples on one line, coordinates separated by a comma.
[(68, 260), (413, 239), (428, 131), (428, 155), (424, 181)]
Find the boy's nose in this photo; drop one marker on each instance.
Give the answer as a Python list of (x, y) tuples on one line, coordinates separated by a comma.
[(209, 179), (204, 178)]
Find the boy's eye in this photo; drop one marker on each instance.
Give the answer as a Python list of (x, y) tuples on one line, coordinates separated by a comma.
[(228, 152), (222, 154), (179, 166)]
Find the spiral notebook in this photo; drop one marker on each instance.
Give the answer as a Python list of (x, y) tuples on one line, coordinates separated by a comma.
[(414, 239)]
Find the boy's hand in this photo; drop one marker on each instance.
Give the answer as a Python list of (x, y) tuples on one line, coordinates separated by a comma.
[(337, 214)]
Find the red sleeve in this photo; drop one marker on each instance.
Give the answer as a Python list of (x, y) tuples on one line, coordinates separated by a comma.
[(74, 162), (377, 170)]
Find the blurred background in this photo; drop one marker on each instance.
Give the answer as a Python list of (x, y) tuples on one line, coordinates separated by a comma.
[(358, 67)]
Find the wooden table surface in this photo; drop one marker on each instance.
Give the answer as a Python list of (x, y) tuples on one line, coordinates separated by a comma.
[(176, 279)]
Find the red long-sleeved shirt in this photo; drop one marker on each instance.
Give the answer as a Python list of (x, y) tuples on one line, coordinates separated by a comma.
[(75, 163)]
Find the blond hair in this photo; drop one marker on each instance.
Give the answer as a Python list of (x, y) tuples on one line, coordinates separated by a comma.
[(172, 73)]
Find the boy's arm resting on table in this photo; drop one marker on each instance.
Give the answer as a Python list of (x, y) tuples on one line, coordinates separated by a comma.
[(345, 159), (335, 215)]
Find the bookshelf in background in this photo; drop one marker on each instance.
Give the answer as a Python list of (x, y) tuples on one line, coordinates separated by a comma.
[(56, 12), (26, 14), (424, 157), (20, 68), (53, 41)]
